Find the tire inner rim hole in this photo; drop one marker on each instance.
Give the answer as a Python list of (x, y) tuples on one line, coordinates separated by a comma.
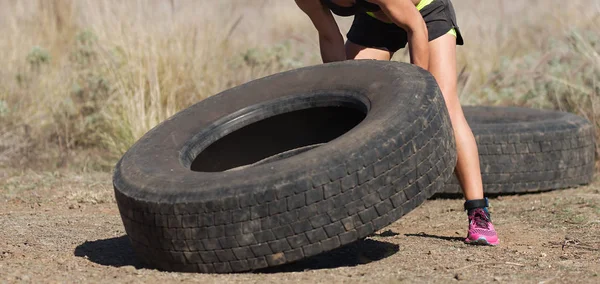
[(279, 137)]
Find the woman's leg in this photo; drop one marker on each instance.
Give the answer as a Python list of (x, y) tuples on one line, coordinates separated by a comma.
[(356, 51), (442, 64)]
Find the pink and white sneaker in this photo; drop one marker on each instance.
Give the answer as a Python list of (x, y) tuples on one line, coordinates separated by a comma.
[(481, 230)]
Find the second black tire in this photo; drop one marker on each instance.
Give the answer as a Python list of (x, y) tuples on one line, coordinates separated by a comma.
[(357, 145), (529, 150)]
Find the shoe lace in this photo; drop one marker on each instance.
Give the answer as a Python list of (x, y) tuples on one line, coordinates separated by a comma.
[(480, 218)]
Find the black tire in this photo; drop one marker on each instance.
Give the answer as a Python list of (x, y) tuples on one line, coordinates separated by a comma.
[(226, 217), (529, 150)]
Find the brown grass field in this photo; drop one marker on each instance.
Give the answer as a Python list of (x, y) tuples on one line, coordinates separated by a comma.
[(82, 80)]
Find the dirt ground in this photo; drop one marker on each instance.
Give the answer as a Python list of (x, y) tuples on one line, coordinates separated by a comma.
[(64, 227)]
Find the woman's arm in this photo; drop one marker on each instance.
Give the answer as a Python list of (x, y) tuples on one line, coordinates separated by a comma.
[(331, 41), (404, 14)]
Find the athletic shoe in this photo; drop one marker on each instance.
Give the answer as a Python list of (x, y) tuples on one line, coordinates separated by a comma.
[(481, 230)]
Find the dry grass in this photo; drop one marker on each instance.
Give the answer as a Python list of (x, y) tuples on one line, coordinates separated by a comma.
[(82, 80)]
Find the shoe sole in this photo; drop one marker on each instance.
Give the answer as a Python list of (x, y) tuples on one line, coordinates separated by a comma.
[(482, 241)]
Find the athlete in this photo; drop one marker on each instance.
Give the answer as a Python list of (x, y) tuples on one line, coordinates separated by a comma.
[(382, 27)]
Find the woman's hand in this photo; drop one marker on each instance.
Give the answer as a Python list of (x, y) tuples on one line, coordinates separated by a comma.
[(404, 14), (331, 41)]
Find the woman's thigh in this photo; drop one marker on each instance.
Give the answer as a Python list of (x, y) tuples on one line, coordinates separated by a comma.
[(357, 51), (442, 65)]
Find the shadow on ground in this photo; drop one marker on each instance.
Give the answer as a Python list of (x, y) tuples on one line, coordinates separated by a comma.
[(445, 238), (115, 252), (357, 253), (118, 252)]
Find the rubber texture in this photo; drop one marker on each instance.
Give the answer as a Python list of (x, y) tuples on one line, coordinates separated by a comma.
[(525, 150), (399, 155)]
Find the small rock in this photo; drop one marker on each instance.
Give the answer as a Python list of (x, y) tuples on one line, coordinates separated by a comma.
[(459, 276), (566, 262), (129, 268), (543, 254), (497, 279), (530, 247), (470, 258)]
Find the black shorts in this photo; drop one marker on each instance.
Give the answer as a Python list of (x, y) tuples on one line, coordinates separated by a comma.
[(367, 31)]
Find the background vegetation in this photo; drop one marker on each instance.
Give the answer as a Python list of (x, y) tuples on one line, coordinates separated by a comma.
[(82, 80)]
